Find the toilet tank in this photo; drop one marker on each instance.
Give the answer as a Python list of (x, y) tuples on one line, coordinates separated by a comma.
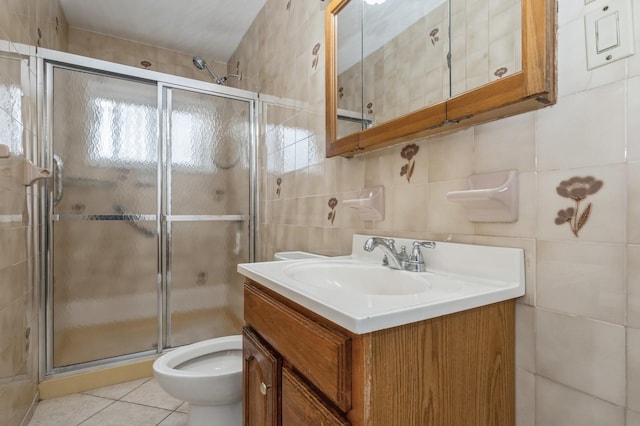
[(295, 255)]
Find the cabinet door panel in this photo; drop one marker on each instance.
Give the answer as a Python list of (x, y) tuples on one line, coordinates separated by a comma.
[(322, 355), (301, 406), (261, 377)]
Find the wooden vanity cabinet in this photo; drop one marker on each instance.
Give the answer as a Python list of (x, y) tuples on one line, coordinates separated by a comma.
[(454, 370)]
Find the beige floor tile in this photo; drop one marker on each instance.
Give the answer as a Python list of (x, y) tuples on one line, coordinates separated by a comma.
[(184, 408), (117, 391), (122, 413), (175, 419), (151, 394), (67, 410)]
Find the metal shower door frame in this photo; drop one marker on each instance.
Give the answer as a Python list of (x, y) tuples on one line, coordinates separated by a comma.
[(47, 60), (167, 218)]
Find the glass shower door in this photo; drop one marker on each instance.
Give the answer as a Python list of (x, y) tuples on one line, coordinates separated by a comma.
[(207, 214), (105, 240)]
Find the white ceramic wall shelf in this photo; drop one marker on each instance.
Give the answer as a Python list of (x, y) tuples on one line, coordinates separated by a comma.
[(369, 204), (32, 173), (490, 197), (4, 151)]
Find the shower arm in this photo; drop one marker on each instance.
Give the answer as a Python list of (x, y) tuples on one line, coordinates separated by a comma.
[(215, 77)]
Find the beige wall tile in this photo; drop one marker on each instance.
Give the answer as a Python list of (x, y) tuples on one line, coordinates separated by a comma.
[(558, 405), (451, 156), (525, 338), (633, 418), (572, 133), (581, 353), (506, 144), (525, 398), (582, 279), (633, 372), (607, 221), (633, 124), (444, 216), (633, 212), (633, 286)]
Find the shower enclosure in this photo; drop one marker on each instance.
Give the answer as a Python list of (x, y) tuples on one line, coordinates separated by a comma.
[(150, 209)]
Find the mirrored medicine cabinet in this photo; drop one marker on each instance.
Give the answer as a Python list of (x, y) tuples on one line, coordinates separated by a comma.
[(397, 70)]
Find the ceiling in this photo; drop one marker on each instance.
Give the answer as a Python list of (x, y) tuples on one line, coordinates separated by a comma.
[(209, 28)]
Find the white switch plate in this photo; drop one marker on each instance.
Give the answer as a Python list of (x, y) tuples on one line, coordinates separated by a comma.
[(609, 33)]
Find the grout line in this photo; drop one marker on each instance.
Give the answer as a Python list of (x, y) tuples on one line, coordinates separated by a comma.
[(99, 411), (134, 389)]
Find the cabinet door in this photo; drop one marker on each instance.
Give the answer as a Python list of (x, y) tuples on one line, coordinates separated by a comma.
[(301, 406), (261, 377)]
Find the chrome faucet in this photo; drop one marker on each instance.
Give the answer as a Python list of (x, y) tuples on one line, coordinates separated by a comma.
[(402, 260)]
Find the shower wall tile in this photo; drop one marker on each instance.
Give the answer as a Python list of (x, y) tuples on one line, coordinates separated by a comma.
[(127, 52)]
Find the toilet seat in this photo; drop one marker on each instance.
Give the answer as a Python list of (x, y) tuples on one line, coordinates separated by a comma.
[(169, 363)]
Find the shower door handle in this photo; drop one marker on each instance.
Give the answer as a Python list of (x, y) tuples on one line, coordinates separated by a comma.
[(58, 173)]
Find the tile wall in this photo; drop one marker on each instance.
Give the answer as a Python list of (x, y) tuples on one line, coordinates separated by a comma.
[(36, 23), (578, 326), (127, 52)]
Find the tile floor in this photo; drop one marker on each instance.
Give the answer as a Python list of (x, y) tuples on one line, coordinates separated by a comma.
[(136, 403)]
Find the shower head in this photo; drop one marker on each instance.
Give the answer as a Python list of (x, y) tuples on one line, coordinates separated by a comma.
[(199, 63)]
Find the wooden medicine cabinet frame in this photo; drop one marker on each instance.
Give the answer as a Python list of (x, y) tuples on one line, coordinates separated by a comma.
[(532, 88)]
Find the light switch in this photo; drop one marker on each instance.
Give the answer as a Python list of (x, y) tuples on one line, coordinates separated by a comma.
[(609, 33)]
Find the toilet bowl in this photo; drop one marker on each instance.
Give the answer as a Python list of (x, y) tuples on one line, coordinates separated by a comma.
[(207, 375)]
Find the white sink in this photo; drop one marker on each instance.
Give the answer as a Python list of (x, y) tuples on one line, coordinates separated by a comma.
[(354, 276), (358, 293)]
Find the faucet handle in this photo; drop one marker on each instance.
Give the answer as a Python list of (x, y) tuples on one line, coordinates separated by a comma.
[(416, 254)]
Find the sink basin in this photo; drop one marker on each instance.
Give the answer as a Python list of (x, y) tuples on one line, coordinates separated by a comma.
[(364, 278)]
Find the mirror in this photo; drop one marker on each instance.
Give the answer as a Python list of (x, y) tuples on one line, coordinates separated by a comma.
[(401, 69)]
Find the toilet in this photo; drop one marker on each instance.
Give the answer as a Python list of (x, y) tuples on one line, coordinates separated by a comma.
[(207, 375)]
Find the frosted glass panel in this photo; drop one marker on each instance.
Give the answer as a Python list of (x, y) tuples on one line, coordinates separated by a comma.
[(105, 291), (210, 138), (105, 133), (206, 290)]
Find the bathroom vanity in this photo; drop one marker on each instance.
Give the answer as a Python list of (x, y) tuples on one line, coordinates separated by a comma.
[(403, 356)]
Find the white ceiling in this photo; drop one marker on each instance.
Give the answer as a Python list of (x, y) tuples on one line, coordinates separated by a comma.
[(208, 28)]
